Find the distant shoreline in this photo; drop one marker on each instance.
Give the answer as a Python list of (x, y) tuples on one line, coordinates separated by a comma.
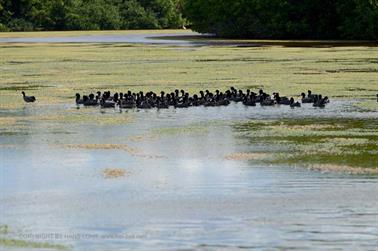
[(175, 36), (267, 42)]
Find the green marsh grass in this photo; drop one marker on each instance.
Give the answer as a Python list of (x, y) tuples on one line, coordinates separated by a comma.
[(339, 142)]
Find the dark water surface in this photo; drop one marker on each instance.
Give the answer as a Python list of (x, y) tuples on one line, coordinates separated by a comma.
[(179, 191)]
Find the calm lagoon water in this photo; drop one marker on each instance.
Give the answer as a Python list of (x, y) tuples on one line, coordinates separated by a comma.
[(179, 191), (125, 38)]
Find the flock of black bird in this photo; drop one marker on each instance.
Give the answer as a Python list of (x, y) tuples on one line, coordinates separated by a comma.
[(182, 99)]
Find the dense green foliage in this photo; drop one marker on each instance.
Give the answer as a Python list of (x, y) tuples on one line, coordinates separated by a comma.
[(283, 19), (306, 19), (24, 15)]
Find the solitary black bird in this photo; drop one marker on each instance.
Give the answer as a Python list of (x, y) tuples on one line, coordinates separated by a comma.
[(28, 99)]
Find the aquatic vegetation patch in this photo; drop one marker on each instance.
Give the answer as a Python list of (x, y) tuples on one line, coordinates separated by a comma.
[(13, 133), (82, 116), (7, 121), (150, 156), (111, 173), (194, 129), (14, 243), (368, 105), (13, 125), (122, 147), (24, 87), (86, 68), (247, 156), (337, 142), (341, 168), (4, 229), (145, 137)]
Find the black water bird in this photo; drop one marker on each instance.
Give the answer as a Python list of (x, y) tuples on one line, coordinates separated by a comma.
[(294, 104), (281, 100), (126, 103), (310, 94), (161, 104), (249, 101), (267, 102), (28, 99), (90, 101), (107, 103), (143, 105), (309, 99), (79, 101), (320, 101)]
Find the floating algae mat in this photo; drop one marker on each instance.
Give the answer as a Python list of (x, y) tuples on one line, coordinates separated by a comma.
[(54, 72), (112, 173), (341, 142)]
